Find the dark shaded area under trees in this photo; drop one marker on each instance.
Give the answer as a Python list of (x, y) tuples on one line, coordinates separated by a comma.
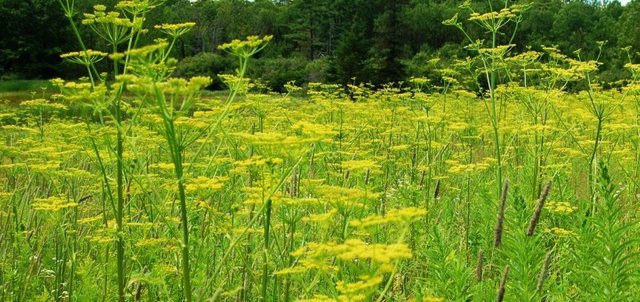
[(341, 41)]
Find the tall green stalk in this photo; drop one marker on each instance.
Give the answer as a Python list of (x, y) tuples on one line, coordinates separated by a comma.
[(494, 115), (120, 205), (599, 110), (265, 269), (175, 150)]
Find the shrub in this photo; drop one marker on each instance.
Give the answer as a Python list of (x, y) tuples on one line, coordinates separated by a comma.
[(206, 64), (276, 72), (318, 71)]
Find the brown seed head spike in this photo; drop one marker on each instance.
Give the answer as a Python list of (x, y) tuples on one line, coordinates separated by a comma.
[(500, 221), (544, 272), (536, 215), (503, 284), (479, 265)]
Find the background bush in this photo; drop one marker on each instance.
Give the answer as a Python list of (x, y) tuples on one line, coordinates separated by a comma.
[(206, 64), (275, 72)]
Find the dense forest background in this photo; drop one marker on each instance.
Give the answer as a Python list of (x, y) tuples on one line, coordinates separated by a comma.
[(340, 41)]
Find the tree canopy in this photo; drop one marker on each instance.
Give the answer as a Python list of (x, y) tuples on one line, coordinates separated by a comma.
[(341, 41)]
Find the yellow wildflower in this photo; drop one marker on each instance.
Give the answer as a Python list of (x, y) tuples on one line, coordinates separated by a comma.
[(395, 215), (560, 207), (206, 183), (560, 232), (53, 204)]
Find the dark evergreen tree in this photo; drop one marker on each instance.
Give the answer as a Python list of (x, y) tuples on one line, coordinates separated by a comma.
[(34, 34), (388, 49), (375, 41)]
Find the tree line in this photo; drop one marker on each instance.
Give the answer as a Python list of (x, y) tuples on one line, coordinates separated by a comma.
[(337, 41)]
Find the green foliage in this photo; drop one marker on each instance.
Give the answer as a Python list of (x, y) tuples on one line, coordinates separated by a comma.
[(349, 60), (276, 72), (27, 46), (366, 40), (24, 85), (318, 70), (206, 64), (611, 227)]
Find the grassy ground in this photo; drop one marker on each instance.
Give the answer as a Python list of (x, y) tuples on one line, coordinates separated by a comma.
[(18, 90), (23, 85), (15, 91)]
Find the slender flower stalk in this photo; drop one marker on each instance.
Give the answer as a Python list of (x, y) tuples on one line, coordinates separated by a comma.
[(176, 156), (267, 237)]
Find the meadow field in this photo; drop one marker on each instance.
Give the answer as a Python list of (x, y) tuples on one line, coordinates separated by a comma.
[(502, 181)]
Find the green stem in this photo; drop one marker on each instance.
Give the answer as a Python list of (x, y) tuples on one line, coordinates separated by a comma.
[(592, 168), (179, 171), (176, 156), (536, 162), (186, 270), (265, 269), (120, 205), (120, 192), (495, 120), (288, 280)]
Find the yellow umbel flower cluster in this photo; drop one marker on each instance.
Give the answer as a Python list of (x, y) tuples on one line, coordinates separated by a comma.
[(53, 204), (560, 207), (86, 58), (175, 30), (397, 215), (560, 232), (315, 255), (202, 183), (246, 48)]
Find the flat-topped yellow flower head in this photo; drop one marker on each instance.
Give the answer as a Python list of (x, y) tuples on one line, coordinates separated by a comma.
[(87, 57), (246, 48), (175, 30)]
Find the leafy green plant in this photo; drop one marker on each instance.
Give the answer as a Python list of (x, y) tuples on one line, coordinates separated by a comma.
[(609, 243)]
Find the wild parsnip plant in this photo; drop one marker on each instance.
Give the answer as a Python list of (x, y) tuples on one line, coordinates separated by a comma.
[(491, 57), (132, 185)]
